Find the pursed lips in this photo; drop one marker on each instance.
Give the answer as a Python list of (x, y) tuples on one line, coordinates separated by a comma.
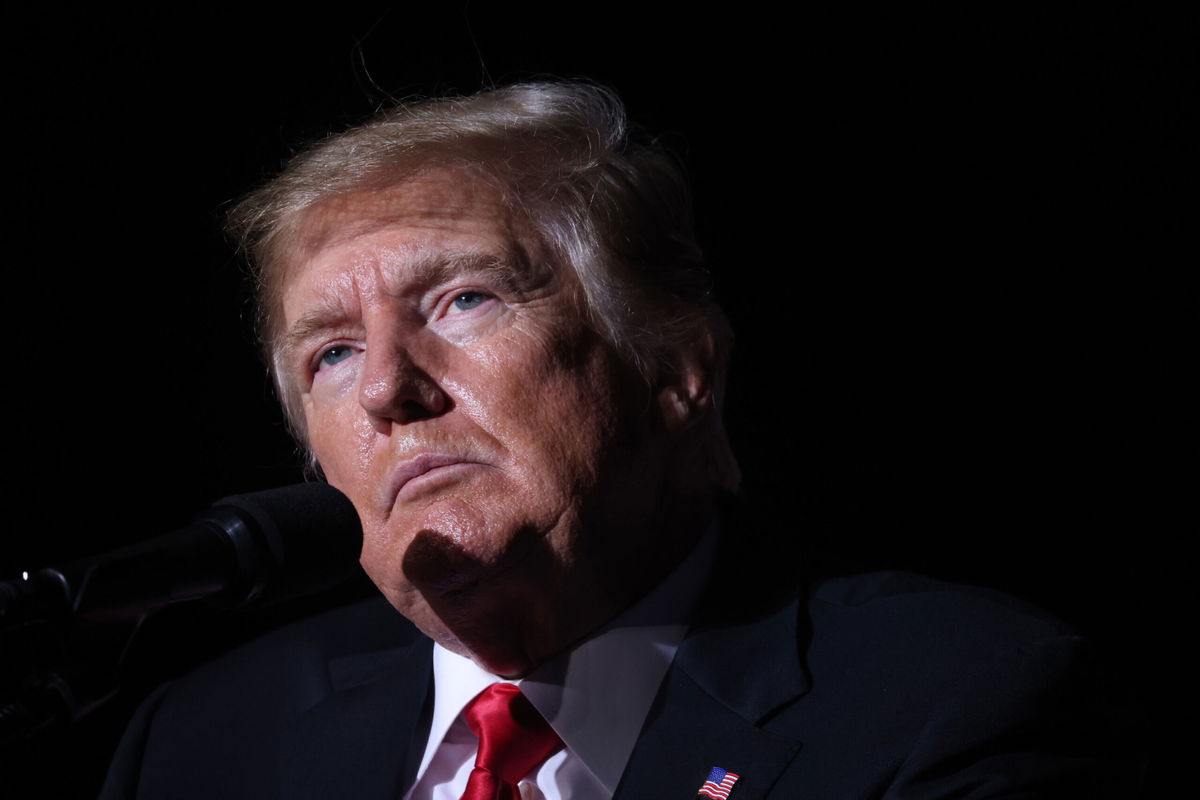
[(411, 469)]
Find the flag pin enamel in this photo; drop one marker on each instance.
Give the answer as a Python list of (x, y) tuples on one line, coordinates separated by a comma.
[(718, 785)]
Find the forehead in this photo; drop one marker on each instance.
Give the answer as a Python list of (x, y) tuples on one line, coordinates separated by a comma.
[(436, 220), (445, 201), (411, 235)]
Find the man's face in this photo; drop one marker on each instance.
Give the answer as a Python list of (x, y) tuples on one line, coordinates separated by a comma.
[(484, 433)]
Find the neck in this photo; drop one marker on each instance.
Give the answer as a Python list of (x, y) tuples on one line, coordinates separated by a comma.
[(548, 603)]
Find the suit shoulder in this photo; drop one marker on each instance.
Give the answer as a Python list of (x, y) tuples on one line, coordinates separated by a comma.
[(363, 626), (919, 607), (283, 659), (908, 645), (938, 687), (233, 710)]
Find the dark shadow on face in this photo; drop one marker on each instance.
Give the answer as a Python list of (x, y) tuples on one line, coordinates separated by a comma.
[(442, 568), (497, 611)]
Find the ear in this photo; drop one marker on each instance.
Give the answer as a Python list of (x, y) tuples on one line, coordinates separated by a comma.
[(685, 394)]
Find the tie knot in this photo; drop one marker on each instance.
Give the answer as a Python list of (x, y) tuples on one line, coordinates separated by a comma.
[(513, 737)]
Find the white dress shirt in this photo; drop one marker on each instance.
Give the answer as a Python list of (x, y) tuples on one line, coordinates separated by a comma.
[(595, 696)]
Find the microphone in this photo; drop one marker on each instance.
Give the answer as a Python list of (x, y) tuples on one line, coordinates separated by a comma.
[(276, 544)]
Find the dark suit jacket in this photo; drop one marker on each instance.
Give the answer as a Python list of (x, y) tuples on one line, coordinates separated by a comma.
[(879, 685)]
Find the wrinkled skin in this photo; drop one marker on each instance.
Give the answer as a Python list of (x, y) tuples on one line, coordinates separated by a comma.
[(517, 484)]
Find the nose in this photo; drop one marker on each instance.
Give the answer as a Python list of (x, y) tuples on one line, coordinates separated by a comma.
[(393, 387)]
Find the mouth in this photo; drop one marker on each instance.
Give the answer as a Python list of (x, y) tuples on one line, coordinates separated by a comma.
[(422, 472)]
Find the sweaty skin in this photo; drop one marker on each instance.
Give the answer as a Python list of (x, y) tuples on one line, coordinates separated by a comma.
[(511, 472)]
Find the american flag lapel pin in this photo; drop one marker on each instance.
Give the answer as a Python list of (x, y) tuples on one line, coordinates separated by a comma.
[(718, 785)]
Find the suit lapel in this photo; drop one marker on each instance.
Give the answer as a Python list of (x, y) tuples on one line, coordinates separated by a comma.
[(689, 732), (740, 664), (367, 738)]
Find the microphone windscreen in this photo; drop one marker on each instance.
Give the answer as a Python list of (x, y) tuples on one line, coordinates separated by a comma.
[(311, 530)]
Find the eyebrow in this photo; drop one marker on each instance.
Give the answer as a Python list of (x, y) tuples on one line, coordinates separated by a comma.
[(326, 315), (513, 273), (507, 271)]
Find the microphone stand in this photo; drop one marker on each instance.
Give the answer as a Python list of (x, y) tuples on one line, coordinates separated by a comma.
[(67, 673), (76, 622), (72, 626)]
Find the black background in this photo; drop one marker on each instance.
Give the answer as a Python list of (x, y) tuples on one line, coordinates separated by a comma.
[(953, 245)]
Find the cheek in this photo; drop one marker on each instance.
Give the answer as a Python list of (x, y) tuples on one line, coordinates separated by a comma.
[(566, 417), (340, 438)]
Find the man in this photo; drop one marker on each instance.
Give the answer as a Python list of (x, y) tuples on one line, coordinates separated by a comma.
[(490, 324)]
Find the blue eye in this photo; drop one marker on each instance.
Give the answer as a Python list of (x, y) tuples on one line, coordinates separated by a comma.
[(333, 355), (468, 300)]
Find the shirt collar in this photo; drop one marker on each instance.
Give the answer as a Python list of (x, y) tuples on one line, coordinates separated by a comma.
[(596, 696)]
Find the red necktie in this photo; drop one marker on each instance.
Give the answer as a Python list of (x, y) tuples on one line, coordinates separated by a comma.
[(513, 739)]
